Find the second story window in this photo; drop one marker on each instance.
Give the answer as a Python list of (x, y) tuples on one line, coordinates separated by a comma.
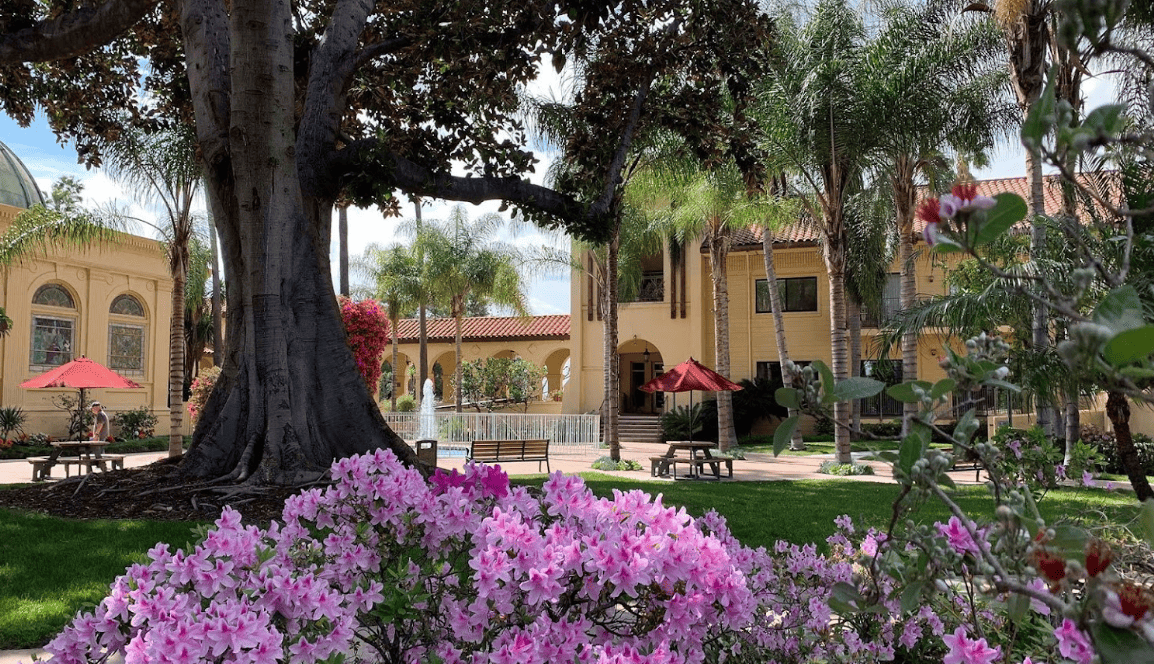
[(797, 294), (53, 326)]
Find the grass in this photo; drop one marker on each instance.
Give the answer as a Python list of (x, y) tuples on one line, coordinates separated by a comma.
[(50, 568)]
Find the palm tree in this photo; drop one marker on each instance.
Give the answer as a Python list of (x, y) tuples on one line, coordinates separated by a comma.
[(395, 278), (60, 224), (161, 169), (934, 82), (816, 126), (692, 203), (462, 260)]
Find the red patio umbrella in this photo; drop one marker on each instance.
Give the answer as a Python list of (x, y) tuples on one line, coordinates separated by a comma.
[(688, 376), (81, 373)]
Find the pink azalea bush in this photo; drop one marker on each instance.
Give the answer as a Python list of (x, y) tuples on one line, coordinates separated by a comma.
[(200, 390), (367, 327), (466, 568)]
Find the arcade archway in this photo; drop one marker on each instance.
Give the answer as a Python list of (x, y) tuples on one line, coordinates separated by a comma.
[(640, 362)]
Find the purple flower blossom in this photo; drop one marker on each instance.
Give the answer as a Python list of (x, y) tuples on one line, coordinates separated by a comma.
[(963, 650), (1072, 643), (958, 537)]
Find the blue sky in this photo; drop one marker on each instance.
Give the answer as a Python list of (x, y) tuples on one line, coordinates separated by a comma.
[(48, 160)]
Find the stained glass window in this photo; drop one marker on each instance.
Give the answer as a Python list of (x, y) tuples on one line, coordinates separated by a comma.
[(126, 347), (53, 295), (126, 305), (51, 341)]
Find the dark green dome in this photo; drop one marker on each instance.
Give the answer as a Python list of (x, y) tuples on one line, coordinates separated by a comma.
[(17, 188)]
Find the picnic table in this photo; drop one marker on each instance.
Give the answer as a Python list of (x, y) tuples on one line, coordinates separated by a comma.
[(700, 455), (89, 456)]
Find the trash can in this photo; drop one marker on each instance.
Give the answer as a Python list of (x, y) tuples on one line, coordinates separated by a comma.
[(427, 452)]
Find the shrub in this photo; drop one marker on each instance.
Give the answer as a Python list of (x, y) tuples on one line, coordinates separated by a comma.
[(681, 423), (12, 420), (135, 423), (406, 403), (887, 430), (823, 427), (755, 402), (607, 463), (200, 390), (832, 467), (1106, 447), (367, 328)]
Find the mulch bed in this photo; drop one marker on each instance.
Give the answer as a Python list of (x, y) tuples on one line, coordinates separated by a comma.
[(152, 492)]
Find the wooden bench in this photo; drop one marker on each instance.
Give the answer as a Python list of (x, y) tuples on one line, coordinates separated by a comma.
[(664, 465), (501, 451), (715, 464), (42, 466)]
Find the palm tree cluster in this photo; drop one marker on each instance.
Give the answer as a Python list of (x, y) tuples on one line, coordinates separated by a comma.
[(449, 265)]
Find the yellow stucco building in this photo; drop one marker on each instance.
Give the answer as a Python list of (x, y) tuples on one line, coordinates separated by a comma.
[(110, 303)]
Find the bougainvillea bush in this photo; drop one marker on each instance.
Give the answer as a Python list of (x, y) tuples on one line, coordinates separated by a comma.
[(367, 326), (465, 568), (200, 390)]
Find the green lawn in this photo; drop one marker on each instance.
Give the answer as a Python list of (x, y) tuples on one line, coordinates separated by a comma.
[(824, 446), (50, 568)]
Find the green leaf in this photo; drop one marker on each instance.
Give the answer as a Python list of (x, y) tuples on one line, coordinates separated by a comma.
[(827, 382), (1070, 542), (912, 596), (1137, 372), (1105, 119), (1129, 346), (904, 392), (1009, 210), (786, 397), (944, 245), (1017, 606), (912, 449), (1146, 518), (857, 388), (1040, 118), (1120, 310), (784, 434), (1120, 646), (966, 421), (993, 382), (946, 481), (943, 387), (888, 456)]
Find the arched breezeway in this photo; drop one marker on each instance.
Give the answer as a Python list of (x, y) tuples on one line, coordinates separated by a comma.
[(641, 361)]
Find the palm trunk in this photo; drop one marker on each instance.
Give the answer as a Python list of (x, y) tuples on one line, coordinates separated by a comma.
[(393, 374), (423, 335), (176, 353), (217, 331), (459, 316), (1073, 425), (718, 252), (1040, 339), (905, 198), (853, 320), (1118, 410), (343, 241), (611, 359), (796, 442), (839, 350)]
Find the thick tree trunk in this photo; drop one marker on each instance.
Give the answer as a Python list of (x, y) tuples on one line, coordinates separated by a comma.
[(796, 442), (611, 360), (905, 198), (290, 399), (718, 252), (176, 369), (1118, 410)]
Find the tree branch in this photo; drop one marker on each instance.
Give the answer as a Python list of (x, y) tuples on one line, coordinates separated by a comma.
[(74, 33), (373, 51)]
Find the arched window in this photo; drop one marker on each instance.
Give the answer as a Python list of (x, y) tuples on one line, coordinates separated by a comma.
[(53, 326), (126, 327)]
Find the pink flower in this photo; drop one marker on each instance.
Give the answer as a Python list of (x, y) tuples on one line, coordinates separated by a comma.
[(958, 537), (1088, 479), (1072, 643), (965, 651)]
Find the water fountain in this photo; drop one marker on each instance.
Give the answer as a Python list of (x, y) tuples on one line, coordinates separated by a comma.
[(427, 427)]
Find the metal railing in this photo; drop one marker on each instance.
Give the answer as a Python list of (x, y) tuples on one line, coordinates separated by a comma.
[(652, 288), (567, 434), (890, 306)]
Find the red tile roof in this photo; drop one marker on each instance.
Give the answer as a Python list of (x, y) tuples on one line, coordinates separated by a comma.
[(488, 328), (808, 231)]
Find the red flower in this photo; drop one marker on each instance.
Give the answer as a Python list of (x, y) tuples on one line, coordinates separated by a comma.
[(1098, 557), (1049, 564), (966, 192), (929, 211), (1135, 601)]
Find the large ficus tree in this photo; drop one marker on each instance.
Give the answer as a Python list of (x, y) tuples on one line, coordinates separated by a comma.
[(297, 102)]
